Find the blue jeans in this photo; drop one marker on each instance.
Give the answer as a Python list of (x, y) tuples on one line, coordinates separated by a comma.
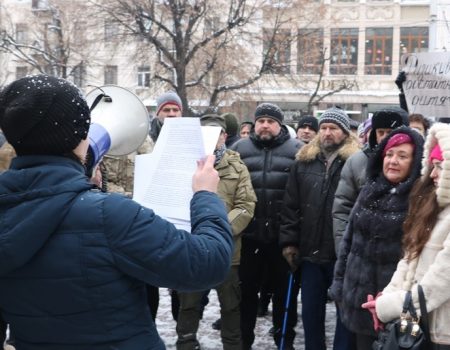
[(316, 279)]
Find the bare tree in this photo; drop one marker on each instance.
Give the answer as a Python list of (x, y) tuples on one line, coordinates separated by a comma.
[(316, 97), (207, 49), (51, 40)]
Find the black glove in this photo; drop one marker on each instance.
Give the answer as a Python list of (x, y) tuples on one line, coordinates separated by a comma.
[(401, 78)]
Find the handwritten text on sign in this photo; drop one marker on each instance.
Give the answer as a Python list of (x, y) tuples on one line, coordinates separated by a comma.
[(427, 85)]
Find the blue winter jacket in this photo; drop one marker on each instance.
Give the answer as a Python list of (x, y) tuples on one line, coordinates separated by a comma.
[(74, 261)]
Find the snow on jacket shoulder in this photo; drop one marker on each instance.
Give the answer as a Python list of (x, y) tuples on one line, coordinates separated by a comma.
[(74, 261)]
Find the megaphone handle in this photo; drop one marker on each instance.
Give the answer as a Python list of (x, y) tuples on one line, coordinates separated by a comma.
[(99, 176), (104, 173), (96, 101)]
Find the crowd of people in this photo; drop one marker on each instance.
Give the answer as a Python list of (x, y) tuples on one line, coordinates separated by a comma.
[(356, 214)]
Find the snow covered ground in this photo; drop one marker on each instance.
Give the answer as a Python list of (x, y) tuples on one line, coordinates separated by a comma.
[(210, 338)]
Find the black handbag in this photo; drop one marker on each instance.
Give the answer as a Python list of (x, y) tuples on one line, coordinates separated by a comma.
[(409, 332)]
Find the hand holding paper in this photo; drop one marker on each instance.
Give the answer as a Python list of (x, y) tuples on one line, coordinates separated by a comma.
[(165, 179), (205, 178)]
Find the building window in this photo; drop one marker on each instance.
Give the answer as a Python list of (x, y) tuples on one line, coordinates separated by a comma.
[(378, 51), (414, 39), (144, 76), (39, 4), (111, 31), (277, 51), (79, 33), (310, 51), (79, 75), (21, 72), (21, 33), (344, 51), (111, 75)]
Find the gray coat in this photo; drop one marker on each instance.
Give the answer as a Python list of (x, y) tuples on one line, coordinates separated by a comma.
[(353, 178)]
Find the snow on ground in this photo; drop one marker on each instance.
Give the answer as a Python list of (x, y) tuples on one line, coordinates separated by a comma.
[(210, 338)]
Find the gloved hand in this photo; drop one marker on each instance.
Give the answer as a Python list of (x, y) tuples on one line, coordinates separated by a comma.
[(370, 305), (401, 78), (291, 254)]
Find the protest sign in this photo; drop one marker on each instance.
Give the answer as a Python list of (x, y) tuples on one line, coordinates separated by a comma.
[(427, 85)]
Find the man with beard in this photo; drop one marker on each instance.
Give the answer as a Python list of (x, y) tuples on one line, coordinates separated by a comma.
[(268, 153), (306, 234)]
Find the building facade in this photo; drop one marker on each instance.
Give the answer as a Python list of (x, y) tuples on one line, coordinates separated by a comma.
[(357, 44)]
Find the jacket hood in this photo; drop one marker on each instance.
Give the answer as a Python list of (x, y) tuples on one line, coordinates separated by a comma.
[(310, 151), (375, 163), (36, 193), (439, 133)]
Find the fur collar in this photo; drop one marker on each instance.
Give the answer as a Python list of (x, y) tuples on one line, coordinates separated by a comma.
[(439, 133), (310, 151)]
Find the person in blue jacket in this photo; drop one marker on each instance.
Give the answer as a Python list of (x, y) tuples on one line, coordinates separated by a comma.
[(74, 261)]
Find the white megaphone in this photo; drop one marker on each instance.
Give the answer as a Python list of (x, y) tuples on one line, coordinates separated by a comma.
[(119, 123)]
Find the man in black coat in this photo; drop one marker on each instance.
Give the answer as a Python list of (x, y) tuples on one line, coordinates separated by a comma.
[(268, 154), (306, 233)]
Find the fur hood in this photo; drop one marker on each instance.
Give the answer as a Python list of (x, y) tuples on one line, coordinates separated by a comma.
[(310, 151), (439, 133)]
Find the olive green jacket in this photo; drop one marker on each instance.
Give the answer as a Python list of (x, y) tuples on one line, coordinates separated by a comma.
[(236, 190)]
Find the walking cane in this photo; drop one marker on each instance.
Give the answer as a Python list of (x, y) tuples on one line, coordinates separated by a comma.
[(286, 310)]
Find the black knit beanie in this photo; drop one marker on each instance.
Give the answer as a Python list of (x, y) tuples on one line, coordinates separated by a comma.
[(42, 114), (308, 120), (387, 118), (269, 110)]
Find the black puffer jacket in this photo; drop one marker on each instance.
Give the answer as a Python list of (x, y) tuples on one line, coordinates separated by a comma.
[(269, 165), (306, 217), (371, 247)]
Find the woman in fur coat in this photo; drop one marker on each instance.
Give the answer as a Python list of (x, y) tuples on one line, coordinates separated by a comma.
[(371, 247), (426, 245)]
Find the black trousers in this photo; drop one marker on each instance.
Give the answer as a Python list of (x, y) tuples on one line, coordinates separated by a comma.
[(3, 327), (153, 299), (440, 347), (256, 260)]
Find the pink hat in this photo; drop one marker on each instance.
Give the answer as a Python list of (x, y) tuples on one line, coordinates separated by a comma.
[(396, 140), (436, 153)]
